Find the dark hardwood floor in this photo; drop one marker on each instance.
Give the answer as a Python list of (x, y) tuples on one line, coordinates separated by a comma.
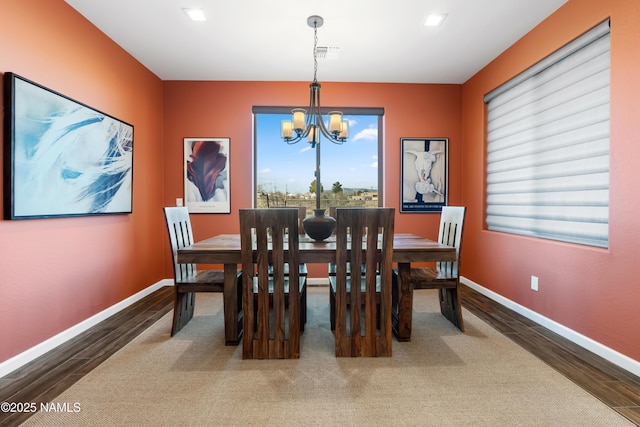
[(45, 378)]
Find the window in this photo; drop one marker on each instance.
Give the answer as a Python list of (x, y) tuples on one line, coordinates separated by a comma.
[(548, 146), (284, 174)]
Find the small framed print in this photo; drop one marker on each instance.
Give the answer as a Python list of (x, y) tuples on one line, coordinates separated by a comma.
[(424, 169), (206, 175)]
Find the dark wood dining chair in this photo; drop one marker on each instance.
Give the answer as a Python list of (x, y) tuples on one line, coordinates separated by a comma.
[(360, 299), (188, 279), (274, 305), (445, 276)]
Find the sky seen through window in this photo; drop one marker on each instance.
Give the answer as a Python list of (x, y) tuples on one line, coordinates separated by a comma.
[(290, 168)]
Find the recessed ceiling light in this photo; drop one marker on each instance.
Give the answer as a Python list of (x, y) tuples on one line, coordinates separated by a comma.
[(434, 19), (195, 14)]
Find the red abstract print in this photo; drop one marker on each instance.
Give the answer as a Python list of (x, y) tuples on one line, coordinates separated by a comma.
[(204, 167)]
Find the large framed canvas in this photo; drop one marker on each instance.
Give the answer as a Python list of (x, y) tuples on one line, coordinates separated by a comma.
[(61, 157), (424, 169), (206, 175)]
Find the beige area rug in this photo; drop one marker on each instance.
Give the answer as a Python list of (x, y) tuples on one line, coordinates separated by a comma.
[(442, 378)]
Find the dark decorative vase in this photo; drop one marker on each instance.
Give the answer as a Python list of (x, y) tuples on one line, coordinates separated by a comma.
[(319, 226)]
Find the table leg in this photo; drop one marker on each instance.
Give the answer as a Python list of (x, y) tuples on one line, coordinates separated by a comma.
[(404, 310), (232, 305)]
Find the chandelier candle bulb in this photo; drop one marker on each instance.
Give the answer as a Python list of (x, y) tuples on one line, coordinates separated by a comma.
[(299, 119), (335, 122), (344, 130), (313, 136), (287, 130)]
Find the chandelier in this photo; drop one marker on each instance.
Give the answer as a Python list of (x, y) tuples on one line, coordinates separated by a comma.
[(310, 124)]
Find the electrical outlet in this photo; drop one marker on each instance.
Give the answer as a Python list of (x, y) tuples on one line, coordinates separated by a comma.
[(179, 201), (534, 283)]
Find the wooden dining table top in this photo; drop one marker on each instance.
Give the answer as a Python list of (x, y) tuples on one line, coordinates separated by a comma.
[(225, 249)]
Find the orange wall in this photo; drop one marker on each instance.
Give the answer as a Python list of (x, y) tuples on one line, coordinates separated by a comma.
[(223, 109), (56, 273), (592, 291)]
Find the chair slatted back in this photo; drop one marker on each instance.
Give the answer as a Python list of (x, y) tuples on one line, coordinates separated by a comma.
[(269, 331), (302, 214), (364, 236), (180, 236), (450, 233)]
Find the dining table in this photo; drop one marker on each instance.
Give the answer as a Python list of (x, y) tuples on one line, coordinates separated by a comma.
[(407, 248)]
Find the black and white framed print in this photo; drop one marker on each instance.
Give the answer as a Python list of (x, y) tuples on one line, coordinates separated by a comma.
[(424, 169)]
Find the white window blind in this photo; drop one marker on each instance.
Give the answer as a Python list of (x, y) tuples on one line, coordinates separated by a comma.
[(548, 146)]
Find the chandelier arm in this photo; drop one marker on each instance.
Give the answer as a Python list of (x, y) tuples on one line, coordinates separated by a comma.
[(312, 100), (323, 127), (295, 140), (316, 112), (328, 134)]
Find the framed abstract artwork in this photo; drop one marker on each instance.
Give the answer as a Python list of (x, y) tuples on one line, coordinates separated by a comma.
[(206, 175), (424, 169), (61, 157)]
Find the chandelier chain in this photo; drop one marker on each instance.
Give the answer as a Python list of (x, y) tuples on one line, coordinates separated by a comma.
[(315, 52)]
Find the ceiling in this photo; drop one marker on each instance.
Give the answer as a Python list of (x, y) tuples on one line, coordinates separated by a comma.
[(259, 40)]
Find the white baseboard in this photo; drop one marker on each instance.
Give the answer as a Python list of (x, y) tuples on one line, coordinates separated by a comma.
[(587, 343), (33, 353)]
